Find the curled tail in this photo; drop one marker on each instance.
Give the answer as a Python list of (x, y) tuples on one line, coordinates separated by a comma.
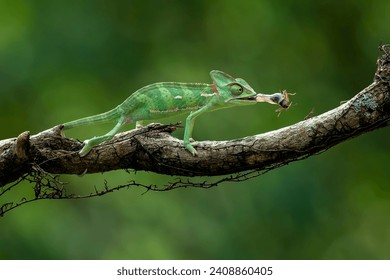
[(100, 118)]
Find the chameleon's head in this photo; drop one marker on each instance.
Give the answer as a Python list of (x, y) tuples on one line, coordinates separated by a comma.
[(231, 90), (235, 91)]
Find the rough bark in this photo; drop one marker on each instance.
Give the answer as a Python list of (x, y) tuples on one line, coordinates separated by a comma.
[(153, 148)]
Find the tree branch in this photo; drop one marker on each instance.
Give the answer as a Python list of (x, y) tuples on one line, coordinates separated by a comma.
[(152, 148)]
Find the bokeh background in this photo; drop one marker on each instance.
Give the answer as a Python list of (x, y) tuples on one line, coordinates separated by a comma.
[(63, 60)]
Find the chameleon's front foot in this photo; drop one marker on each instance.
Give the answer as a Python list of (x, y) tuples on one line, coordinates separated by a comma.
[(191, 149)]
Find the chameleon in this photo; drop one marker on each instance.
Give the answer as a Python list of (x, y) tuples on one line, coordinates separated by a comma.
[(166, 99)]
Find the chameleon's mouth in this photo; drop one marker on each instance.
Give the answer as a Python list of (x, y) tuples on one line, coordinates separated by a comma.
[(247, 98)]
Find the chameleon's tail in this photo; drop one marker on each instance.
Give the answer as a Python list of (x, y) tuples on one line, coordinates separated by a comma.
[(109, 116)]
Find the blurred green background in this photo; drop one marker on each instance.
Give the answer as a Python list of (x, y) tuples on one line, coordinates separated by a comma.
[(63, 60)]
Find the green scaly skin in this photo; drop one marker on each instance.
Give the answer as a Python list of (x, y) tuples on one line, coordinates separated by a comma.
[(166, 99)]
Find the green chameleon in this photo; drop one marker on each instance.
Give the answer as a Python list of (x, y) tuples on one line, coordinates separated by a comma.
[(166, 99)]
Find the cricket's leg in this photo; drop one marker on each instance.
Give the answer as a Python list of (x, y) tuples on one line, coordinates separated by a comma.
[(90, 143)]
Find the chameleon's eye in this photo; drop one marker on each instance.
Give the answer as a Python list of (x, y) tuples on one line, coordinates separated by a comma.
[(236, 89)]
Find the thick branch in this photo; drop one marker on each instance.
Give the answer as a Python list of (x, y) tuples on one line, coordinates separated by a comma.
[(153, 148)]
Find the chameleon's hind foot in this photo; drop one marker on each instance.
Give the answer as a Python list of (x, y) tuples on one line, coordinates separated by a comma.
[(139, 124), (86, 148)]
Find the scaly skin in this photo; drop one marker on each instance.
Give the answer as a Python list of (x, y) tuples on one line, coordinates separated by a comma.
[(165, 99)]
